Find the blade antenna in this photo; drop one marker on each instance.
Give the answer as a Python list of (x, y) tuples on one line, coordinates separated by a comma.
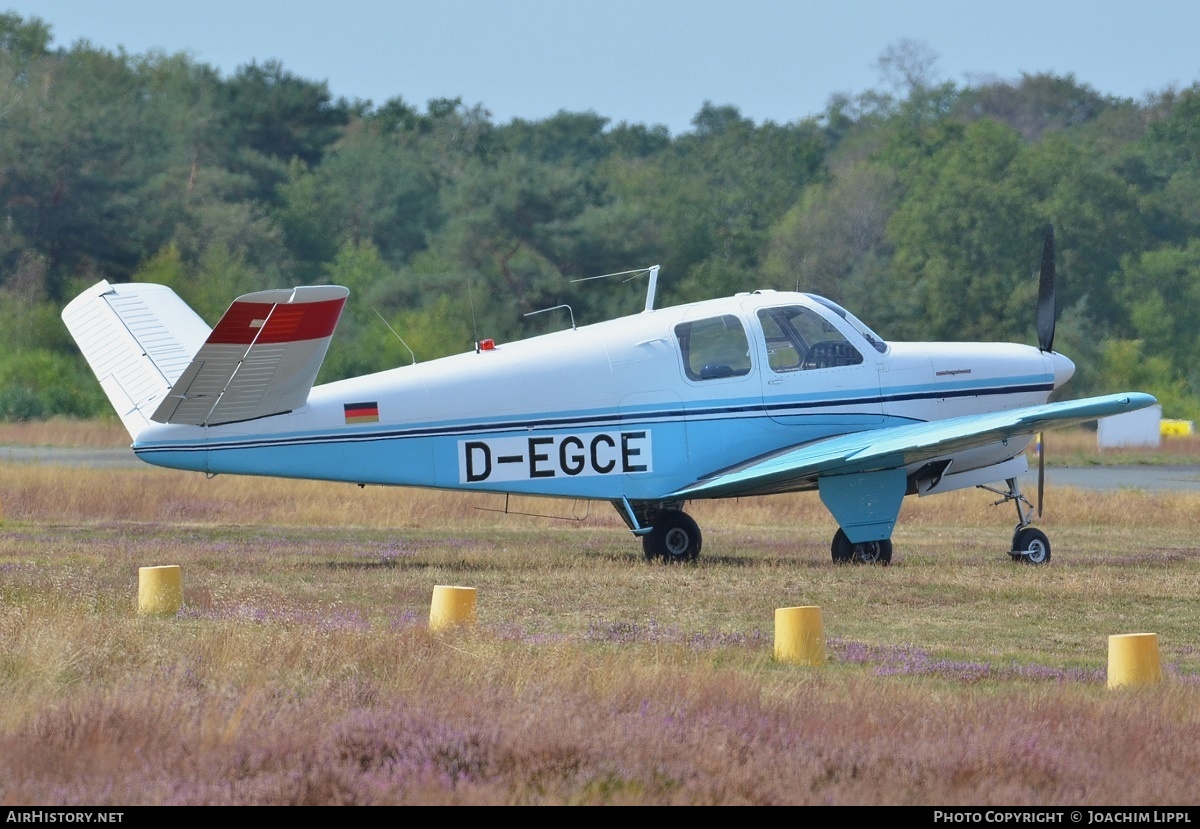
[(398, 337), (474, 322)]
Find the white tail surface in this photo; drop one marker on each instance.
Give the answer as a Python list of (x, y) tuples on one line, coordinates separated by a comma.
[(138, 339)]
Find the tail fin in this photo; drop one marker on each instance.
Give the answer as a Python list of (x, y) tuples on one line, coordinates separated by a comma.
[(158, 361), (138, 339)]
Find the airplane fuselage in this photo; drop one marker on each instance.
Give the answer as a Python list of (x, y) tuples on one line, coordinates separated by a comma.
[(633, 408)]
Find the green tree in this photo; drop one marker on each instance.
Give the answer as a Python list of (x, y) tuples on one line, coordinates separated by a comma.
[(834, 242), (710, 201), (36, 383), (271, 116), (1098, 220), (510, 233), (575, 138), (362, 343), (185, 147), (965, 234), (1036, 104), (1165, 165), (371, 186), (1162, 291), (1126, 365), (220, 276), (70, 148)]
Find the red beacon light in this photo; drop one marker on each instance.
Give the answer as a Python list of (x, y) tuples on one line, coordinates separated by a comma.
[(487, 345)]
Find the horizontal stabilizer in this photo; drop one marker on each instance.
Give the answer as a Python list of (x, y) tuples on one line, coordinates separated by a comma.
[(261, 359), (138, 339)]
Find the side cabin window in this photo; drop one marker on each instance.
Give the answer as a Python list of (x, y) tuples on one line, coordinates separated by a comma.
[(714, 348), (800, 339)]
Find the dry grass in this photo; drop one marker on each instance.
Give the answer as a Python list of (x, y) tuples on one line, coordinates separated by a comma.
[(301, 669), (93, 434)]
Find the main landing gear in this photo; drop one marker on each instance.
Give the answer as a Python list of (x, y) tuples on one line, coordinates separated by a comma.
[(867, 552), (1029, 544), (671, 535)]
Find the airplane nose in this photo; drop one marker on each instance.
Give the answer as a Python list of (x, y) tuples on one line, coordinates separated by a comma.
[(1063, 368)]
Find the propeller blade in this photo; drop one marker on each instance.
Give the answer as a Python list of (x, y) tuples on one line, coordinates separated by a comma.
[(1046, 303), (1041, 447)]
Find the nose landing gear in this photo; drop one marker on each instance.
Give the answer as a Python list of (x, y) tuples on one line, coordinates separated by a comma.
[(1029, 544)]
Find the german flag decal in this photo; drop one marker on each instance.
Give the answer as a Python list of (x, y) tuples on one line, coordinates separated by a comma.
[(362, 412)]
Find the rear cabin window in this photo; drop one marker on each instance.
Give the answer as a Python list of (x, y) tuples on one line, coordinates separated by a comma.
[(714, 348), (800, 339)]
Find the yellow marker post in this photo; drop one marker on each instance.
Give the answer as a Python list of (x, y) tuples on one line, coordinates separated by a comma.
[(1133, 660), (160, 590), (799, 635), (451, 606)]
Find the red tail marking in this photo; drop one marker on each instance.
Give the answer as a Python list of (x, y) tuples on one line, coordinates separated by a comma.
[(285, 322)]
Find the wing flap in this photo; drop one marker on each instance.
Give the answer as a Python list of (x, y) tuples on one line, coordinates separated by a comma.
[(261, 359), (898, 446)]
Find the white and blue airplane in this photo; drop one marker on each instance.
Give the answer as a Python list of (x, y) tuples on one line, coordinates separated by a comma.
[(753, 394)]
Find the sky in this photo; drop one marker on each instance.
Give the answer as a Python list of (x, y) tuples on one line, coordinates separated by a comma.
[(651, 62)]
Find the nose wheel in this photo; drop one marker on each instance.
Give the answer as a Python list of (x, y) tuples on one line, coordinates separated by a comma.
[(1029, 544)]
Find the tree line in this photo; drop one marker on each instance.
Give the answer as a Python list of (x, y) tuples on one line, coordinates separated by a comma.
[(920, 207)]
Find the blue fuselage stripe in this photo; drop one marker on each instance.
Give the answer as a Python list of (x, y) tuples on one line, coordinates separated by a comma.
[(842, 407)]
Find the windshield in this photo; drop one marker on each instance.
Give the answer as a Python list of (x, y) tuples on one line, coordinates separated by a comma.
[(858, 325)]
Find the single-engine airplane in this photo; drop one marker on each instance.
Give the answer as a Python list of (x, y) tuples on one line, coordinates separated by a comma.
[(753, 394)]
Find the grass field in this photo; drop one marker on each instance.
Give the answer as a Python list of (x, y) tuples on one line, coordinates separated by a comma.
[(301, 669)]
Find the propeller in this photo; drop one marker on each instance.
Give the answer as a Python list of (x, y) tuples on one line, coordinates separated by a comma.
[(1045, 305), (1045, 333), (1041, 450)]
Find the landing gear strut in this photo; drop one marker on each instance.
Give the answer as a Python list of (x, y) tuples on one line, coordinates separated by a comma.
[(868, 552), (1029, 544)]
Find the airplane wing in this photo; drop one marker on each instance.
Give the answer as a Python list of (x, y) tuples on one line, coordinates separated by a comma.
[(261, 359), (895, 447)]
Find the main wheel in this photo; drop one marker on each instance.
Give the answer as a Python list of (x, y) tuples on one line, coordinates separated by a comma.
[(841, 548), (1030, 546), (867, 552), (675, 537)]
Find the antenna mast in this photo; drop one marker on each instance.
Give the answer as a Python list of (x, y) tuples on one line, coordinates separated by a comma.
[(651, 288)]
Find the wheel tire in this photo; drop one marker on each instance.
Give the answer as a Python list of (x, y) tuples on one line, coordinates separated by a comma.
[(1031, 546), (674, 538), (841, 548), (874, 552), (868, 552)]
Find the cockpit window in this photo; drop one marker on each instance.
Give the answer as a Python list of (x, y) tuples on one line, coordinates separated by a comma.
[(801, 339), (713, 348), (858, 325)]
